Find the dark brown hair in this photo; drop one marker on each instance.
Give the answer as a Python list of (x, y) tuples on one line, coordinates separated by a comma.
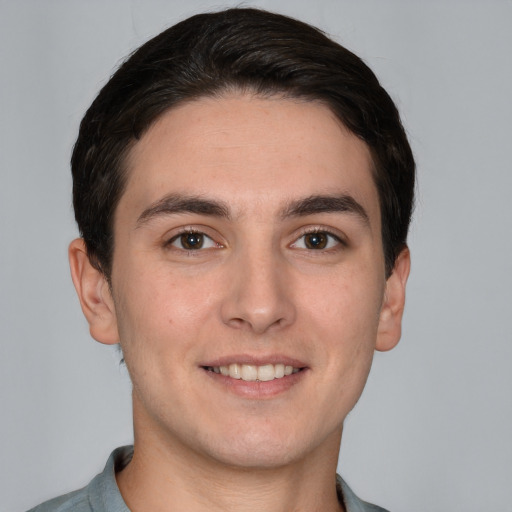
[(240, 50)]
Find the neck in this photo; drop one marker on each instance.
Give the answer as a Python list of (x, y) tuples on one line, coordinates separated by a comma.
[(167, 476)]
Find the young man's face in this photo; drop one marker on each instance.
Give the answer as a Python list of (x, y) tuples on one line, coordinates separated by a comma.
[(248, 239)]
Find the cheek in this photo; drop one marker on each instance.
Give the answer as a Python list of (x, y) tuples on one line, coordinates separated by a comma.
[(347, 304), (150, 334), (347, 315), (159, 308)]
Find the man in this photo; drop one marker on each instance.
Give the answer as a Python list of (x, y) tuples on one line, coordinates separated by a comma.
[(243, 187)]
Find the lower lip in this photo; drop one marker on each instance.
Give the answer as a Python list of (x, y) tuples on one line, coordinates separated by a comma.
[(257, 389)]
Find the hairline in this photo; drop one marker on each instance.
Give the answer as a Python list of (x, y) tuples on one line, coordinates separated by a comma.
[(224, 91)]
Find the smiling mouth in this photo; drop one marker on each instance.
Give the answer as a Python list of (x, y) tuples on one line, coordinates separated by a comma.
[(252, 373)]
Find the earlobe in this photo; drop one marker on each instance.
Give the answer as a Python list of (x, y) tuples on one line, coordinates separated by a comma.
[(94, 294), (390, 321)]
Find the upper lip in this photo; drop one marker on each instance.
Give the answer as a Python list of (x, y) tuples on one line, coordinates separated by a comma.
[(256, 360)]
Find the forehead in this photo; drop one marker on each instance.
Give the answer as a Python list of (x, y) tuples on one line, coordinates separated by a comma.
[(251, 152)]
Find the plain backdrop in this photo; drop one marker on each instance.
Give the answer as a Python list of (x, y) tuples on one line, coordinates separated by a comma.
[(433, 430)]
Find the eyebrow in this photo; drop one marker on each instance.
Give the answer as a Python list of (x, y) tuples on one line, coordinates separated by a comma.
[(311, 205), (177, 203)]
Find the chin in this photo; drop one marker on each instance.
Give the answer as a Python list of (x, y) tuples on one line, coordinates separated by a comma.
[(260, 449), (251, 456)]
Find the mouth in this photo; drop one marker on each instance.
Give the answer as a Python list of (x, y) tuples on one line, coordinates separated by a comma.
[(254, 373)]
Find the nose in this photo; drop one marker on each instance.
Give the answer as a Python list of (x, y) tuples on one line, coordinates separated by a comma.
[(259, 295)]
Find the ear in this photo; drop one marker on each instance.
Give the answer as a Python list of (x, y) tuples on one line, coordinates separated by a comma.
[(94, 294), (390, 321)]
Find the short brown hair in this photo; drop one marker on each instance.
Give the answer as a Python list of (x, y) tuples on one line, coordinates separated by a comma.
[(244, 50)]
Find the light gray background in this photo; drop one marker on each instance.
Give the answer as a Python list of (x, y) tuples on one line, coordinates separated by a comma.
[(434, 427)]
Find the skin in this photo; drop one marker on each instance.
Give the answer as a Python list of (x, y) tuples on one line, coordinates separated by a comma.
[(255, 291)]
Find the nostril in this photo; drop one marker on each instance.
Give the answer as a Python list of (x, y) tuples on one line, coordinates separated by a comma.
[(237, 323), (258, 302)]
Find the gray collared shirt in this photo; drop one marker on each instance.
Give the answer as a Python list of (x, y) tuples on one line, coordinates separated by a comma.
[(102, 493)]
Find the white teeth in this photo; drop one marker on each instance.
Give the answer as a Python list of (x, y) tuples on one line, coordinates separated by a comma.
[(234, 371), (250, 372), (266, 372)]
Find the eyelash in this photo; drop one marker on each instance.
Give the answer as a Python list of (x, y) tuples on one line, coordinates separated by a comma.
[(309, 231), (189, 231), (323, 231)]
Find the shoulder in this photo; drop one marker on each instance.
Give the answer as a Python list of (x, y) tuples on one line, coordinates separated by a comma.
[(369, 507), (100, 495), (351, 501), (75, 501)]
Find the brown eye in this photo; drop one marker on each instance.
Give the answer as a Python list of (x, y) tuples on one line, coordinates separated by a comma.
[(191, 241), (316, 240)]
